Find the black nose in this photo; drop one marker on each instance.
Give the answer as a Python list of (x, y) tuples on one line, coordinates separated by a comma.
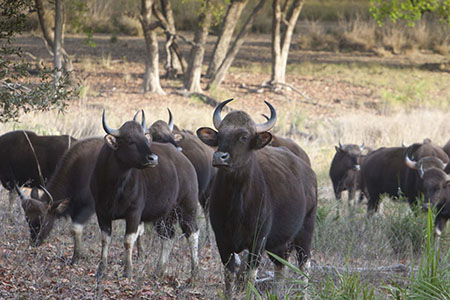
[(221, 158)]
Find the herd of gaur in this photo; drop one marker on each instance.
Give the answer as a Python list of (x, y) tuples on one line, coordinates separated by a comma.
[(258, 189)]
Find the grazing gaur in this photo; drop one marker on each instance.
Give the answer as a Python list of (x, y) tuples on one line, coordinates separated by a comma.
[(345, 170), (67, 194), (436, 189), (199, 154), (161, 132), (143, 181), (262, 197), (29, 159), (425, 163), (384, 171)]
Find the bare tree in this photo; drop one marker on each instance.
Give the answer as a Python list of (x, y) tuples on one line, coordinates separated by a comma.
[(57, 56), (194, 70), (175, 62), (151, 76), (46, 32), (285, 16), (229, 23), (219, 74)]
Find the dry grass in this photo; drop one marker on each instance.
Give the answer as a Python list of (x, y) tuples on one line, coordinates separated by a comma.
[(347, 101), (361, 34)]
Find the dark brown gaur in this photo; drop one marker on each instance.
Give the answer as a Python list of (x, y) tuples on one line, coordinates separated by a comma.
[(384, 171), (141, 181), (199, 154), (28, 159), (345, 170), (67, 194), (262, 197)]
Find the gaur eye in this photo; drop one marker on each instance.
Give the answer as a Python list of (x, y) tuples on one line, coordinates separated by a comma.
[(243, 138)]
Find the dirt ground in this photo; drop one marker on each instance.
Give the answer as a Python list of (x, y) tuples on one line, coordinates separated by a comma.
[(113, 73)]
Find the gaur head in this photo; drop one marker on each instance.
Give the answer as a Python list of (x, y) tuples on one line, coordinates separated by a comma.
[(41, 214), (162, 132), (435, 181), (350, 155), (236, 137), (131, 143), (424, 164)]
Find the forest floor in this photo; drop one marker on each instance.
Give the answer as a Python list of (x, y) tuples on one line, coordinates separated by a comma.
[(355, 96)]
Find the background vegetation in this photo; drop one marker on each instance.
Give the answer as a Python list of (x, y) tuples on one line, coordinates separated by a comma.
[(354, 81)]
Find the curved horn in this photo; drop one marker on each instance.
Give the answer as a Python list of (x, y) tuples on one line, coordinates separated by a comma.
[(170, 120), (19, 191), (144, 126), (135, 116), (265, 116), (410, 163), (217, 119), (106, 127), (270, 123), (340, 144), (48, 194)]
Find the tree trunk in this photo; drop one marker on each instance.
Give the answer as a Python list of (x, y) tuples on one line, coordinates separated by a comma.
[(177, 63), (151, 77), (223, 41), (48, 40), (57, 45), (220, 73), (193, 73), (282, 37)]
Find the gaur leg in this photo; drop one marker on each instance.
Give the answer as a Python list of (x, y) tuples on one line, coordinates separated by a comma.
[(439, 225), (105, 227), (337, 191), (303, 240), (140, 246), (373, 202), (188, 224), (131, 234), (77, 233), (166, 231)]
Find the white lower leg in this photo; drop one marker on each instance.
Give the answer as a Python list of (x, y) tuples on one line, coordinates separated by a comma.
[(106, 241), (166, 248), (77, 233), (437, 236), (140, 233), (128, 243), (193, 247)]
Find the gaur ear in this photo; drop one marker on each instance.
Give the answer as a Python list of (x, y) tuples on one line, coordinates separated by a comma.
[(60, 207), (178, 137), (262, 139), (208, 136), (111, 141), (337, 149), (33, 207), (148, 136)]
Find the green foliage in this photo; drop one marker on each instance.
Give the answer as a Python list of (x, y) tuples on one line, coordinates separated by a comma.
[(347, 286), (432, 280), (17, 92), (406, 232), (409, 10)]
